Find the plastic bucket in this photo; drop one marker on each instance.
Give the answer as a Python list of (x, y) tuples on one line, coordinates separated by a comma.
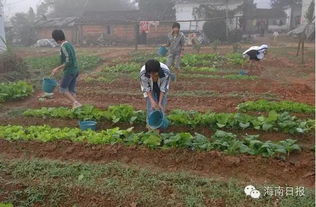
[(157, 120), (242, 72), (85, 125), (49, 85), (162, 51)]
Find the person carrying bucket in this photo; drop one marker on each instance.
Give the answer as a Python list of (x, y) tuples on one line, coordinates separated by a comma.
[(176, 40), (154, 80), (256, 54), (69, 66)]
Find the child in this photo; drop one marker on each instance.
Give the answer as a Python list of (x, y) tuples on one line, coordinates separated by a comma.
[(175, 43), (275, 35), (154, 81), (196, 44), (69, 67), (256, 52)]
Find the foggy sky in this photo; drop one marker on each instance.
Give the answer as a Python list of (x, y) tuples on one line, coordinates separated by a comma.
[(13, 6)]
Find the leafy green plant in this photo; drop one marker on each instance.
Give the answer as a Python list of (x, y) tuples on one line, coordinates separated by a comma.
[(236, 59), (124, 67), (250, 144), (281, 106), (290, 145), (142, 57), (273, 122), (179, 140), (44, 63), (118, 113), (221, 140), (15, 90), (211, 60), (200, 60), (151, 140), (124, 113), (88, 62)]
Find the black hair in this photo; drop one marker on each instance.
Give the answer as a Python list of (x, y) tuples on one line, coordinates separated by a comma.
[(58, 35), (153, 66), (176, 24)]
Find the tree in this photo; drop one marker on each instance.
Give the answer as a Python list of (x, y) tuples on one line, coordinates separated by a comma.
[(163, 7), (23, 31), (44, 8), (248, 9), (310, 14), (215, 28), (280, 4), (283, 3), (305, 30), (151, 5)]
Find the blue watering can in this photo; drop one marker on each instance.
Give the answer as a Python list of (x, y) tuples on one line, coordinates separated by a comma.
[(162, 51)]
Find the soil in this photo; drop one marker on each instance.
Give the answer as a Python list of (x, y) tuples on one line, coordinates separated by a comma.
[(296, 171), (279, 78)]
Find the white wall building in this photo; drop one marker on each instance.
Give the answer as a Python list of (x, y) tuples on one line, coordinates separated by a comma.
[(184, 11)]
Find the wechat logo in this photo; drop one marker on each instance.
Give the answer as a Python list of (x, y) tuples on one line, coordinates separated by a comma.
[(251, 191)]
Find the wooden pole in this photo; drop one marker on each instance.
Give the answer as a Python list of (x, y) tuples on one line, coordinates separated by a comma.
[(136, 36), (299, 47), (303, 51), (226, 19)]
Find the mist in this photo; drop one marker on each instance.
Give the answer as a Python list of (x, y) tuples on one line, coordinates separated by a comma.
[(14, 6)]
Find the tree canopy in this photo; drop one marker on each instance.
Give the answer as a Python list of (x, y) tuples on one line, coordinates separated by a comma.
[(152, 5), (23, 28), (310, 14), (283, 3)]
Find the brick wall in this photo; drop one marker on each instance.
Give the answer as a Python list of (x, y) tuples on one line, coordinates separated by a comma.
[(117, 33), (46, 33), (159, 35), (162, 30)]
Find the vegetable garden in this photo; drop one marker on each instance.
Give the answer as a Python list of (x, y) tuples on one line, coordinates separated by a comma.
[(230, 126)]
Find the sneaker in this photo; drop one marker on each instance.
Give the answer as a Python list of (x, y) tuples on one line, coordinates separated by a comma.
[(76, 105)]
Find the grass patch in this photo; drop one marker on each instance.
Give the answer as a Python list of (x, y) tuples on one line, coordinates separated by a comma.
[(145, 187), (47, 63), (229, 76)]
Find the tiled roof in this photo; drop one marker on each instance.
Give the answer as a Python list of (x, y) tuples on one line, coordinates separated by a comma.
[(101, 17), (127, 16), (57, 22)]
